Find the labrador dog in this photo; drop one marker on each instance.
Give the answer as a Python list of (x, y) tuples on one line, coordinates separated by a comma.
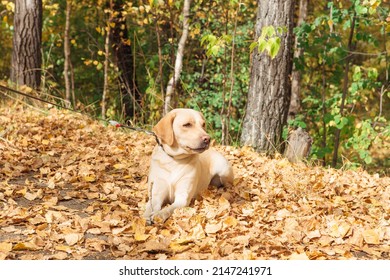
[(182, 166)]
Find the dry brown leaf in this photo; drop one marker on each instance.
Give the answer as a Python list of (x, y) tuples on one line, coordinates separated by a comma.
[(338, 229), (63, 248), (230, 222), (25, 246), (60, 256), (371, 237), (213, 228), (77, 189), (72, 238), (299, 256), (314, 234), (30, 196), (5, 247), (139, 228), (3, 256)]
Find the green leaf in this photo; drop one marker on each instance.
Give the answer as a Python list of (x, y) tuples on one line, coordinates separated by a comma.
[(253, 46), (357, 73), (270, 31), (275, 47), (373, 73), (214, 50), (262, 45), (227, 38), (343, 121)]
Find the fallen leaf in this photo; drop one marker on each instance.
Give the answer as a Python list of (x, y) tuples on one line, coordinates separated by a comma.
[(30, 196), (60, 256), (198, 233), (5, 247), (89, 178), (314, 234), (224, 204), (73, 238), (230, 222), (63, 248), (299, 256), (25, 246), (339, 229), (213, 228), (138, 227), (371, 237), (3, 256)]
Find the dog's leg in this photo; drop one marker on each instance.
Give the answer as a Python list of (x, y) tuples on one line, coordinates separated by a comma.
[(221, 171), (182, 199), (157, 198)]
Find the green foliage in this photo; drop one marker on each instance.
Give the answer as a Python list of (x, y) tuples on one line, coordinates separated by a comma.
[(210, 90), (213, 44), (324, 40), (269, 40), (220, 34), (6, 29)]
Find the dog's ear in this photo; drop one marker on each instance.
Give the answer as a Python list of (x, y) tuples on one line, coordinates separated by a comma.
[(164, 130)]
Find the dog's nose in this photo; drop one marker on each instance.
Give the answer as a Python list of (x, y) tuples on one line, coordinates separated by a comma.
[(206, 139)]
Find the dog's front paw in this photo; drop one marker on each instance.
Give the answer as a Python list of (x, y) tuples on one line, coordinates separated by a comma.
[(157, 218), (148, 216), (161, 216)]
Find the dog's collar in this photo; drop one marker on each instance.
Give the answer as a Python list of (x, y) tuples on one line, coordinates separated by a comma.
[(161, 145)]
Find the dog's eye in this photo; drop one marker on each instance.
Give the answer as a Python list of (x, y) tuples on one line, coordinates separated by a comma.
[(187, 125), (203, 125)]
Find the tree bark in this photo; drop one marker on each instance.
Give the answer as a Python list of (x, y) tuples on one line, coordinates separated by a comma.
[(106, 64), (26, 53), (122, 51), (179, 58), (270, 86), (67, 62), (345, 90), (298, 145), (295, 103)]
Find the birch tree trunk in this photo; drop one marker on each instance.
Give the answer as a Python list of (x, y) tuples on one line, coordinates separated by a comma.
[(179, 58), (26, 53), (270, 86)]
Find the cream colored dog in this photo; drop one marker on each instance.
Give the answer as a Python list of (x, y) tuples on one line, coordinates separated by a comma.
[(182, 166)]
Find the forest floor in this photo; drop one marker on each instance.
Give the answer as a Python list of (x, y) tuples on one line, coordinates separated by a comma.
[(72, 188)]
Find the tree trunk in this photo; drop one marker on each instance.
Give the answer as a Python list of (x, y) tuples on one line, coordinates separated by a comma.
[(295, 103), (106, 64), (179, 58), (26, 53), (67, 61), (345, 90), (122, 51), (298, 145), (270, 86)]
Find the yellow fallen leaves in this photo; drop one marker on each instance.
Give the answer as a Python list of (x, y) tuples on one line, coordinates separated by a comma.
[(25, 246), (299, 256), (90, 178), (71, 188), (139, 229), (371, 237), (5, 247), (72, 238), (338, 229)]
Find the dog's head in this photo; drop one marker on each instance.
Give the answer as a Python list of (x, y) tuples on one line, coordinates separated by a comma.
[(182, 132)]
